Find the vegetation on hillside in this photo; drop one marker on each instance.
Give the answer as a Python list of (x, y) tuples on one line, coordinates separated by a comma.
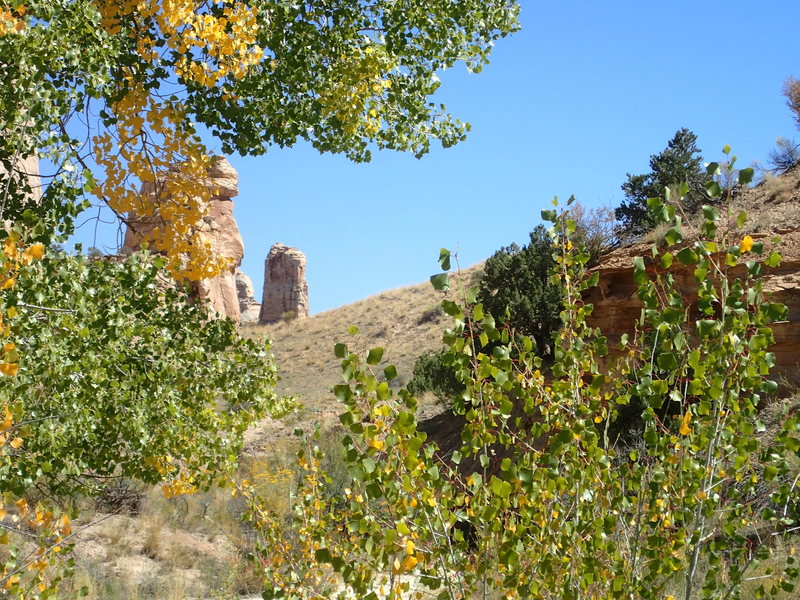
[(680, 163), (538, 502), (107, 370)]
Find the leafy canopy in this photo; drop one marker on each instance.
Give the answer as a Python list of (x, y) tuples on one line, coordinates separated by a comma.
[(114, 92)]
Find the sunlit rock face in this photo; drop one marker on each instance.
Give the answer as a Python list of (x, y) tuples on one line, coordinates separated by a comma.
[(285, 288), (248, 305), (219, 229), (617, 306)]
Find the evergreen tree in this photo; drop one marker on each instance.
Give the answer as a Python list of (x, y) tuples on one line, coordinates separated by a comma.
[(680, 162), (518, 280)]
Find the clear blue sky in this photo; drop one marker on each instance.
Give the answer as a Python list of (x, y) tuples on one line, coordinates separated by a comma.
[(582, 95)]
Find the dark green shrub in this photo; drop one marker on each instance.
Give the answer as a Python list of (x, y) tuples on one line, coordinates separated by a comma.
[(516, 288), (431, 374)]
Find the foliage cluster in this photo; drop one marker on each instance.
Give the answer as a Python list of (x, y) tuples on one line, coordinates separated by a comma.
[(680, 163), (516, 286), (702, 508), (107, 370), (110, 92), (120, 376)]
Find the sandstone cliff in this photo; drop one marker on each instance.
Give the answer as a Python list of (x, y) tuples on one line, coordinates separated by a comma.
[(248, 305), (219, 229), (771, 215)]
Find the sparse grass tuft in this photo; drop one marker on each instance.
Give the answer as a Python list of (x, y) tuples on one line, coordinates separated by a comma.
[(656, 235)]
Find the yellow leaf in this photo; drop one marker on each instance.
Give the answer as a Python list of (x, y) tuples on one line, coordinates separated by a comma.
[(746, 244), (376, 443), (16, 443), (409, 563), (11, 312), (409, 547), (9, 369), (36, 251), (684, 428)]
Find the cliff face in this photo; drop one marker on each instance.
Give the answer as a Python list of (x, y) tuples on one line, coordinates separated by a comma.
[(219, 229), (617, 306)]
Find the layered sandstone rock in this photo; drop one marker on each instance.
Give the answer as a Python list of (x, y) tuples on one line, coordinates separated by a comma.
[(617, 306), (285, 287), (248, 305), (219, 229)]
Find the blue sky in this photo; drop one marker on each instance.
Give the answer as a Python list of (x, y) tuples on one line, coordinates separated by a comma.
[(582, 95)]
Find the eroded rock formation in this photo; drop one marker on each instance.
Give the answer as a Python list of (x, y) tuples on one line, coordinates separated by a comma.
[(285, 287), (219, 229), (248, 305), (617, 306)]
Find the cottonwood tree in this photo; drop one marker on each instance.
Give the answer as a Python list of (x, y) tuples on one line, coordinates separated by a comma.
[(113, 94), (534, 500)]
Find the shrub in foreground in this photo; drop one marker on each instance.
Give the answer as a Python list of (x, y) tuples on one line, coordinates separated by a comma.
[(553, 509)]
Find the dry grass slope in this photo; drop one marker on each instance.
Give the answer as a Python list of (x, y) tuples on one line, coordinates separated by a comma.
[(406, 322)]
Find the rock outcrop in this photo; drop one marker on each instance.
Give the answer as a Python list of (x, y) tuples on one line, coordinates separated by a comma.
[(26, 168), (617, 306), (219, 229), (285, 287), (249, 307)]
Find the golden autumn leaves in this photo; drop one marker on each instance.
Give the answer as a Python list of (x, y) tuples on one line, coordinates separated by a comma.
[(151, 140), (11, 19), (14, 256)]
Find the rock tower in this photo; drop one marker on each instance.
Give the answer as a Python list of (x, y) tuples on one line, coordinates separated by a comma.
[(285, 286)]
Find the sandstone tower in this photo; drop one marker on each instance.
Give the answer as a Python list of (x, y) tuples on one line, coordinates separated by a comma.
[(285, 286)]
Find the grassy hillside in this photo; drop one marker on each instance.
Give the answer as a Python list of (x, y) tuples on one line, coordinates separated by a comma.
[(406, 322)]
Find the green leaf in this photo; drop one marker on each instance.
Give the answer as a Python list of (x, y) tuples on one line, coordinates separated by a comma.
[(713, 189), (773, 260), (741, 219), (499, 487), (549, 215), (710, 213), (746, 176), (374, 356), (444, 259), (687, 256), (390, 372), (452, 309), (441, 282), (673, 236), (340, 350)]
